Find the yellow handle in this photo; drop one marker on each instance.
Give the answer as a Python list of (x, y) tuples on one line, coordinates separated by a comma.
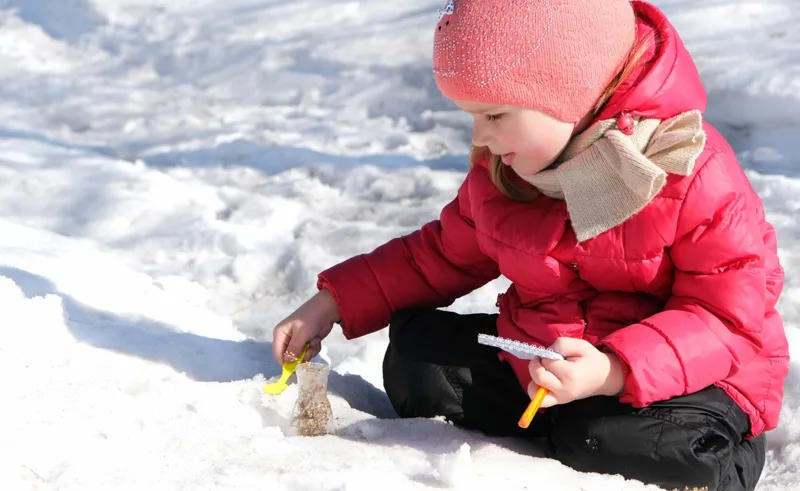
[(534, 406), (276, 388)]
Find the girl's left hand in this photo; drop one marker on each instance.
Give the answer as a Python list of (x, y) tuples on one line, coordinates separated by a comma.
[(585, 372)]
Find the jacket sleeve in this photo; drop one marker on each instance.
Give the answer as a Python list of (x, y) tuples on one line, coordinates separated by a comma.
[(432, 266), (726, 280)]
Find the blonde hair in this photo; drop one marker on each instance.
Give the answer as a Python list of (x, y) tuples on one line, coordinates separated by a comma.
[(499, 172)]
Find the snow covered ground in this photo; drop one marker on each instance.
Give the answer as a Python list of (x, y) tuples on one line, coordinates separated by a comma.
[(176, 173)]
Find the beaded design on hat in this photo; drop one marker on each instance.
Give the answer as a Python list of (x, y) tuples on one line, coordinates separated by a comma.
[(477, 62), (555, 56), (448, 9)]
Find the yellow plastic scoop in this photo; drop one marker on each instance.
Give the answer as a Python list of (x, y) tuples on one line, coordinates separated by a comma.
[(276, 388)]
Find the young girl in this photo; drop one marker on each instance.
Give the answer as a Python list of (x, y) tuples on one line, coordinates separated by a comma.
[(634, 241)]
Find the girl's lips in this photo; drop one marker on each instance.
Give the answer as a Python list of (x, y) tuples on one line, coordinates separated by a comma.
[(508, 158)]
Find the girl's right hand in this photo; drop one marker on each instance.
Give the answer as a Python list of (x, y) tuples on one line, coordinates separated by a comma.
[(310, 323)]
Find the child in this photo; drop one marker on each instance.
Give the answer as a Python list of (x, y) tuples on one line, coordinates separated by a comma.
[(635, 243)]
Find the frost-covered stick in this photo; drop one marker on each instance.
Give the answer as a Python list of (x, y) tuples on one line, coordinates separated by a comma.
[(519, 349)]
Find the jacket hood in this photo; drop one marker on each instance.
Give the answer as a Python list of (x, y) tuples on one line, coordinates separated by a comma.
[(667, 82)]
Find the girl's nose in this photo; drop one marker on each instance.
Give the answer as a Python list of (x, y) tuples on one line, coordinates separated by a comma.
[(480, 135)]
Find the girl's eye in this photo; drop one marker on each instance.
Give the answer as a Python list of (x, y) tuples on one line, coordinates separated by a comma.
[(493, 117)]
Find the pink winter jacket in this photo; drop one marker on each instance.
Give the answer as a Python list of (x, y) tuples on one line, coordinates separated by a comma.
[(684, 292)]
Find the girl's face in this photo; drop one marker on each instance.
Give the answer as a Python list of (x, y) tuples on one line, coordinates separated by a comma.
[(526, 140)]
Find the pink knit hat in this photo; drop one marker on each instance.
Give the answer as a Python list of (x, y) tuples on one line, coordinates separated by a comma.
[(556, 56)]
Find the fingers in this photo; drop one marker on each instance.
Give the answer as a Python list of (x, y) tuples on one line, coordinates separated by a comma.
[(543, 377), (549, 400), (314, 347), (287, 346), (571, 347), (288, 340), (562, 369), (568, 379), (295, 347), (308, 324), (280, 341)]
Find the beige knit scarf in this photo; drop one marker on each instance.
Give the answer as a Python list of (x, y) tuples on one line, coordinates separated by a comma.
[(606, 176)]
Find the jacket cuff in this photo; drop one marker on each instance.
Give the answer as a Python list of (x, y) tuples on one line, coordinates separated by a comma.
[(645, 382), (355, 318)]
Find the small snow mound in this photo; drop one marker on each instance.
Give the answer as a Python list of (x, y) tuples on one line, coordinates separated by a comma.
[(60, 19), (454, 469), (32, 317), (367, 430)]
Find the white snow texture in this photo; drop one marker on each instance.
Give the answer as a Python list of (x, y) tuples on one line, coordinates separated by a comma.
[(176, 173)]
